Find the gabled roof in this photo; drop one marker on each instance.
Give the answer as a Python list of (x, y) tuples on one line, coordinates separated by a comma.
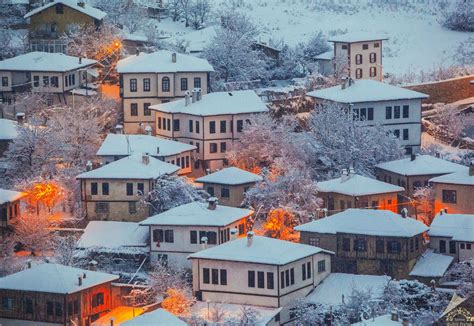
[(197, 213), (367, 222), (263, 250), (230, 176), (357, 185), (155, 317), (8, 196), (8, 129), (160, 62), (421, 165), (459, 227), (120, 144), (87, 9), (53, 278), (131, 167), (217, 103), (45, 61), (431, 264), (460, 178), (328, 55), (365, 90), (357, 37)]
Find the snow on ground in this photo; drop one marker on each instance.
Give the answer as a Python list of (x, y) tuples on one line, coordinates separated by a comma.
[(337, 285)]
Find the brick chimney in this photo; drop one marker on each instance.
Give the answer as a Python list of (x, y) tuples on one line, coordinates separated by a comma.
[(212, 203), (119, 129)]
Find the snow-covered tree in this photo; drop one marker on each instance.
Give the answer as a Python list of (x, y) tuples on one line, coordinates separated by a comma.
[(316, 45), (177, 301), (424, 203), (64, 248), (465, 52), (32, 231), (199, 13), (451, 122), (461, 17), (163, 277)]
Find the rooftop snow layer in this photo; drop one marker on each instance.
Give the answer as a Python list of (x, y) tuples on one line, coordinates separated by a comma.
[(112, 235), (459, 227), (460, 178), (8, 129), (421, 165), (336, 285), (217, 103), (384, 320), (230, 176), (364, 90), (119, 144), (131, 167), (86, 9), (431, 264), (53, 278), (8, 196), (357, 185), (357, 37), (197, 41), (366, 221), (160, 62), (45, 61), (197, 213), (155, 317), (263, 250), (328, 55)]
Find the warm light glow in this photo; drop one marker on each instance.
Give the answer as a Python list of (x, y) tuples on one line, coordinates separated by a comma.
[(176, 302), (45, 193), (279, 224)]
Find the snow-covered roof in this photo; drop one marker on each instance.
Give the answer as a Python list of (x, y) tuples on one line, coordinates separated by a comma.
[(460, 178), (263, 250), (357, 37), (113, 236), (86, 9), (8, 196), (160, 62), (8, 129), (131, 167), (197, 41), (328, 55), (384, 320), (216, 104), (230, 176), (120, 314), (365, 90), (336, 285), (421, 165), (357, 185), (155, 317), (431, 264), (45, 61), (367, 222), (120, 144), (197, 213), (53, 278), (459, 227)]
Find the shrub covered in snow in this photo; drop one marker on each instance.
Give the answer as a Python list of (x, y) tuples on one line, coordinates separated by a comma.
[(461, 17)]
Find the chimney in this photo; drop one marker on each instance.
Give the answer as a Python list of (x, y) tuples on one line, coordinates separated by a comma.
[(194, 96), (79, 280), (93, 265), (445, 210), (405, 321), (249, 238), (89, 166), (81, 3), (471, 169), (173, 57), (351, 171), (148, 130), (199, 94), (204, 241), (212, 203), (186, 98), (80, 60), (404, 213), (350, 81), (84, 275), (20, 118), (145, 159), (119, 129), (344, 176), (157, 150), (394, 315), (28, 263), (412, 157), (234, 234), (344, 83), (137, 52)]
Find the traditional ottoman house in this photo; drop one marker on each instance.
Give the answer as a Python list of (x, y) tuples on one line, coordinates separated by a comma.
[(229, 185), (54, 75), (373, 102), (261, 271), (50, 21), (118, 146), (455, 191), (55, 294), (368, 241), (192, 227), (211, 122), (147, 79), (453, 234), (112, 191), (9, 207), (352, 190)]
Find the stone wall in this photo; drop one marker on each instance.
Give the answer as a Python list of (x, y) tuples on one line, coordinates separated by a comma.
[(446, 91)]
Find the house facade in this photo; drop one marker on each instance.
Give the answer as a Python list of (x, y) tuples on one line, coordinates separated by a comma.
[(372, 102), (211, 123), (55, 294), (453, 234), (352, 190), (229, 185), (53, 75), (112, 192), (455, 191), (259, 271), (50, 21), (360, 55), (118, 146), (154, 78), (8, 132), (9, 207), (391, 245), (192, 227)]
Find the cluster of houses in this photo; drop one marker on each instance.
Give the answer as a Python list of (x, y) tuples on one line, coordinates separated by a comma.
[(173, 125)]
